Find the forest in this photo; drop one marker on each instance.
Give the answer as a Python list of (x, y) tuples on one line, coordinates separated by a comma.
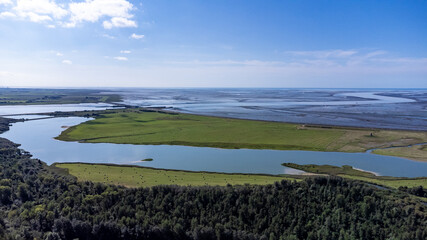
[(43, 202)]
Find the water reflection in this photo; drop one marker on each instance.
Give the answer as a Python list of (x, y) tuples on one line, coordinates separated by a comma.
[(39, 141), (28, 109)]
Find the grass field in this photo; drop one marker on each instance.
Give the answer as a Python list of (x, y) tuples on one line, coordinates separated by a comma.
[(351, 173), (134, 176), (134, 126), (391, 182), (131, 176), (418, 153), (330, 170)]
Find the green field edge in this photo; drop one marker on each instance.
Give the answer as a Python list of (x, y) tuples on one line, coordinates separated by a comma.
[(222, 145), (37, 96), (64, 136), (354, 174), (388, 183), (56, 164), (384, 152), (270, 177), (114, 98)]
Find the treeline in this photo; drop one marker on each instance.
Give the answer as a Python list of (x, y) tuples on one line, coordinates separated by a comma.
[(37, 201), (5, 122), (417, 191)]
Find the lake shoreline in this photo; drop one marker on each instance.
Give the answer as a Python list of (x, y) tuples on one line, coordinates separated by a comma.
[(223, 144), (383, 181)]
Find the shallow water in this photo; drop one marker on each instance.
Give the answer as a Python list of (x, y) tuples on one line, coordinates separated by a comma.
[(28, 117), (28, 109), (378, 108), (37, 137)]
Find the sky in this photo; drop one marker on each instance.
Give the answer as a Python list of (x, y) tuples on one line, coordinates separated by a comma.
[(207, 43)]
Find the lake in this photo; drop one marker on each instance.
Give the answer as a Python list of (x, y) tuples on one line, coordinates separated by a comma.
[(30, 109), (37, 137)]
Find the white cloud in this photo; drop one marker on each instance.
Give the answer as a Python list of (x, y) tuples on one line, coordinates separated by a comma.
[(412, 61), (34, 17), (125, 51), (382, 70), (59, 54), (113, 13), (5, 2), (336, 53), (67, 62), (108, 36), (374, 61), (231, 63), (7, 15), (93, 10), (375, 53), (119, 22), (69, 25), (136, 36), (39, 10), (364, 58), (337, 57), (121, 58)]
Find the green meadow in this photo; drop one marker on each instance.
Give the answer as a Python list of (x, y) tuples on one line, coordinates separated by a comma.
[(329, 169), (418, 153), (134, 176), (351, 173), (392, 182), (136, 126)]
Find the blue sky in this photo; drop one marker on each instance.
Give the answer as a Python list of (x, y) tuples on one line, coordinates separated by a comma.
[(157, 43)]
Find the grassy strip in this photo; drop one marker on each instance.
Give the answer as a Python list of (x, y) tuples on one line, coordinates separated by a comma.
[(417, 153), (134, 126), (351, 173), (391, 181), (135, 176), (330, 170)]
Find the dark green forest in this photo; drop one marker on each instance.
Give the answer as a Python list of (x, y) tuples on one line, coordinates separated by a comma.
[(42, 202)]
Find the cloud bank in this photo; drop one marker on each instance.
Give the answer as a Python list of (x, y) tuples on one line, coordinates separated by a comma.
[(112, 13), (374, 68)]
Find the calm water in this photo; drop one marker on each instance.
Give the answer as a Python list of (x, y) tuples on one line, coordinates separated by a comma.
[(37, 137), (28, 109)]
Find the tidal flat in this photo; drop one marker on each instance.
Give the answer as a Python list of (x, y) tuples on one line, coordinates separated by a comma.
[(368, 108)]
